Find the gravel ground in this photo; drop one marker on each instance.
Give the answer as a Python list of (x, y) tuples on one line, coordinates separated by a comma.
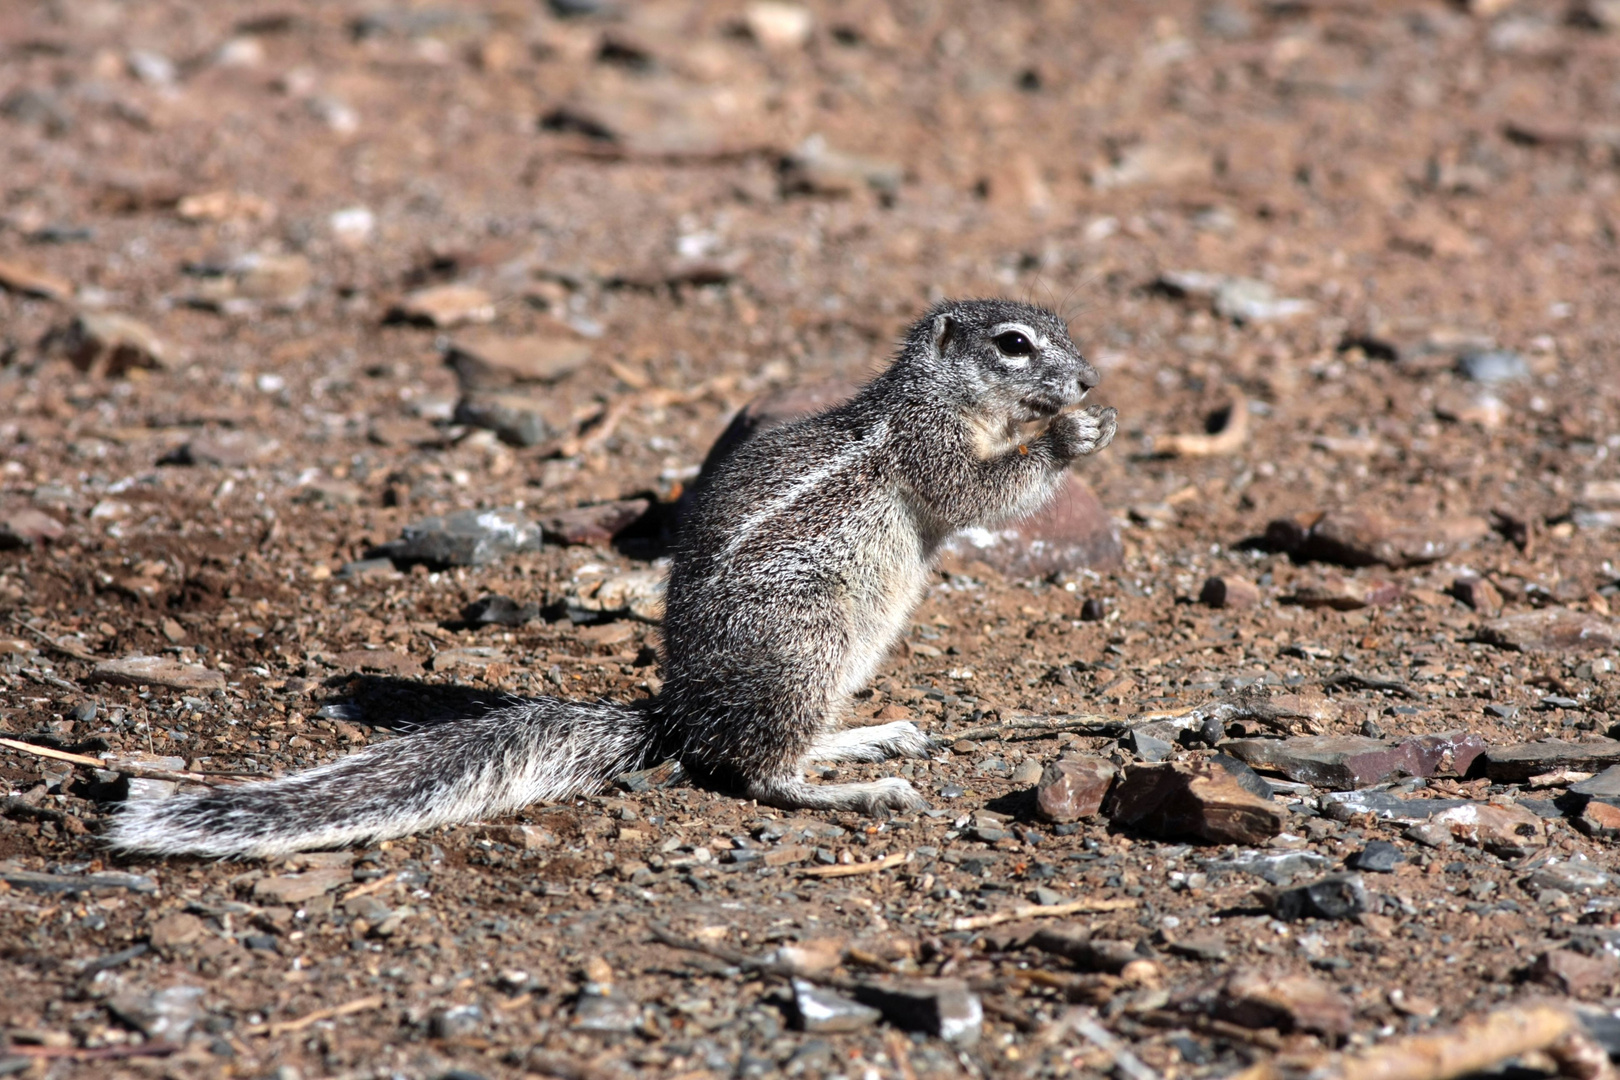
[(239, 244)]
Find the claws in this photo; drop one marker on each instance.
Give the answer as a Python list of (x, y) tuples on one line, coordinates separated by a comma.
[(1084, 432)]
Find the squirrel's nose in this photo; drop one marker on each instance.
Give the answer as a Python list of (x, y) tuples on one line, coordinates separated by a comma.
[(1087, 376)]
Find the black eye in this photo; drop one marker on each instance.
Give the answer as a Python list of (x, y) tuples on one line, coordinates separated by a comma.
[(1012, 343)]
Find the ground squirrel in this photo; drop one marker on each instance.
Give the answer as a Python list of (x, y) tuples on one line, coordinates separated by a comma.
[(796, 571)]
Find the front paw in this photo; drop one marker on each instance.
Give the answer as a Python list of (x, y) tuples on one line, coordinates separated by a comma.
[(1085, 432)]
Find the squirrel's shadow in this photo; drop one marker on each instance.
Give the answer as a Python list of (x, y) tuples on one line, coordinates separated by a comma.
[(404, 705)]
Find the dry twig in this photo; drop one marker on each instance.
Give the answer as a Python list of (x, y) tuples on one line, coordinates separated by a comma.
[(1476, 1044), (284, 1027), (1036, 911), (131, 768), (854, 869)]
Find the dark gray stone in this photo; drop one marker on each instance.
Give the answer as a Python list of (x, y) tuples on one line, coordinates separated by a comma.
[(1337, 896), (107, 881), (817, 1009), (455, 1023), (163, 1015), (499, 610), (1344, 805), (465, 538), (1149, 747), (941, 1007), (1605, 785), (606, 1010), (1568, 877), (1251, 781), (1493, 366), (1379, 857)]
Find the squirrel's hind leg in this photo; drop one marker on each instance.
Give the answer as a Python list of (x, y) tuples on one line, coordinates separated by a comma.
[(880, 742), (793, 793)]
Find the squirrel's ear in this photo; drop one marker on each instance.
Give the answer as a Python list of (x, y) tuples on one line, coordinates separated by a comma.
[(944, 330)]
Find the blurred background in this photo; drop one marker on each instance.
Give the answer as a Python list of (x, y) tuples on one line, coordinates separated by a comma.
[(293, 210)]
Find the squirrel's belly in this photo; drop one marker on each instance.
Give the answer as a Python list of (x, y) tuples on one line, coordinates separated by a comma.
[(894, 582)]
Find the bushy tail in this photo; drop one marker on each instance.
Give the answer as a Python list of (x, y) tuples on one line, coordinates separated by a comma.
[(458, 771)]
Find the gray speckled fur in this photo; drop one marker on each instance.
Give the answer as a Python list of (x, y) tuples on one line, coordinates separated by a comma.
[(798, 569)]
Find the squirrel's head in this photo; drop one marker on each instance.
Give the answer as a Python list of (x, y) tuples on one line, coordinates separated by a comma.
[(1012, 358)]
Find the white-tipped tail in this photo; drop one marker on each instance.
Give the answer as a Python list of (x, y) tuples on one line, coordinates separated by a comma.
[(451, 772)]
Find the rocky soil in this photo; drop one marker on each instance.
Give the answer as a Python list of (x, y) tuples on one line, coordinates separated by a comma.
[(1242, 754)]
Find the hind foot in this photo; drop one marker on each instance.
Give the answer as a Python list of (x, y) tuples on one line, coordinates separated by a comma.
[(890, 793), (879, 742)]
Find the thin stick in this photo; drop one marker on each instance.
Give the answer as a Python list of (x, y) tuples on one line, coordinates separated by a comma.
[(372, 886), (853, 869), (1041, 729), (1036, 911), (51, 643), (132, 768), (283, 1027), (95, 1053)]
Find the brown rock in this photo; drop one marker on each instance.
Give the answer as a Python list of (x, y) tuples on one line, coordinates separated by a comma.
[(1551, 630), (1183, 799), (387, 661), (298, 888), (1570, 972), (110, 345), (1072, 532), (1090, 954), (176, 929), (1518, 762), (597, 524), (1600, 821), (1229, 592), (26, 281), (482, 360), (522, 837), (1366, 538), (445, 306), (226, 206), (813, 957), (25, 527), (1071, 790), (1510, 831), (1479, 594), (277, 279), (156, 671), (1286, 1002), (1345, 594)]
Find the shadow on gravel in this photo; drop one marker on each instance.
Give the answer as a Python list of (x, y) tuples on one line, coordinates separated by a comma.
[(382, 701)]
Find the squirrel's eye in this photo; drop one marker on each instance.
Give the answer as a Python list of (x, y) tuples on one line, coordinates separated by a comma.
[(1012, 343)]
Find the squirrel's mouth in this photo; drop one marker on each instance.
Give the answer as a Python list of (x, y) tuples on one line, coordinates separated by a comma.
[(1044, 406)]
